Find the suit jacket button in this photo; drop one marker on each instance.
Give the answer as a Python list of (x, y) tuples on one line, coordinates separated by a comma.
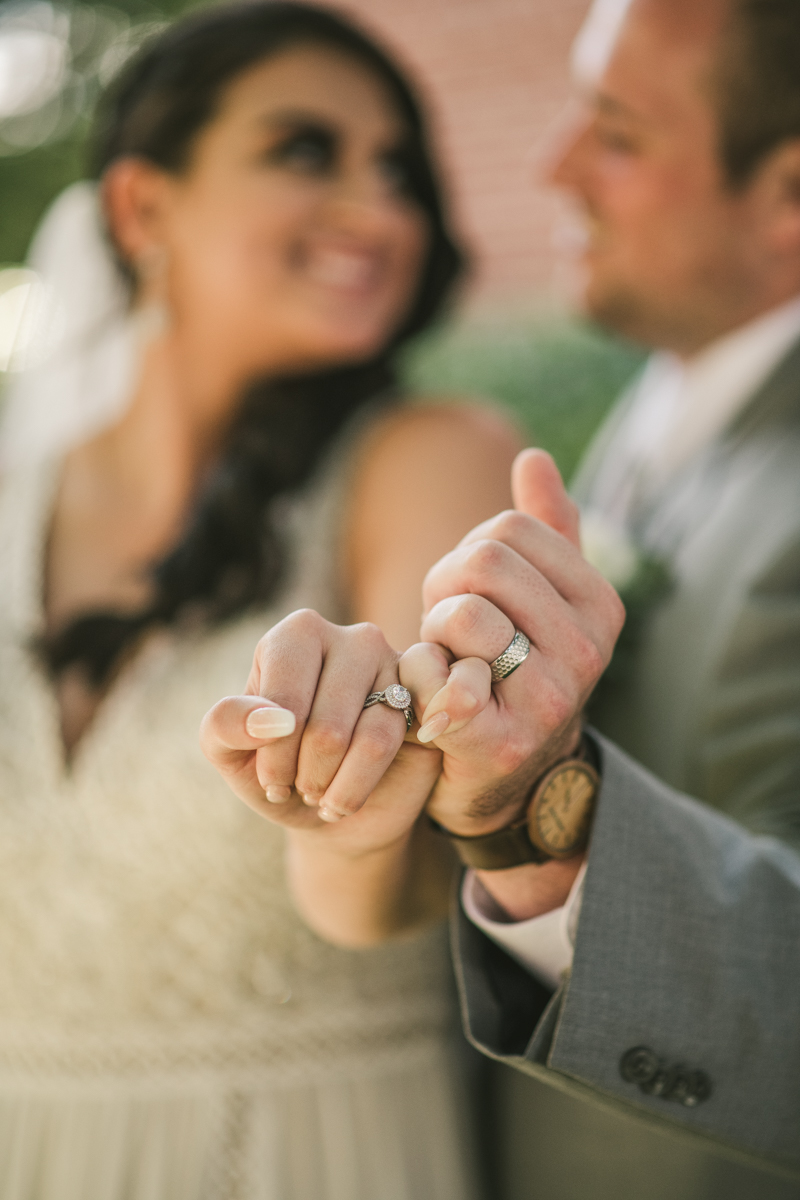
[(640, 1065), (679, 1083), (700, 1089)]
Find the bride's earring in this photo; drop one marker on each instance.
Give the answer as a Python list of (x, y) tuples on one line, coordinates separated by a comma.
[(153, 319)]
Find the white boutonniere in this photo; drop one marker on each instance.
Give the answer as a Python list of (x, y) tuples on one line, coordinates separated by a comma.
[(641, 579), (609, 549)]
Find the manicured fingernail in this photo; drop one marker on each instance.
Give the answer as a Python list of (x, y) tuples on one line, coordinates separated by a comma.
[(270, 723), (277, 794), (434, 728), (327, 814), (311, 801)]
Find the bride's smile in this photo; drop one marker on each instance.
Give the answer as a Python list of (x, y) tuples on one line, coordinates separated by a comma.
[(293, 213)]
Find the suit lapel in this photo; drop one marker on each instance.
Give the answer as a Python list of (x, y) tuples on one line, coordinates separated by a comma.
[(777, 401)]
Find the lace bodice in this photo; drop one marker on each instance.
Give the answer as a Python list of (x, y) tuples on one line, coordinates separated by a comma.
[(144, 921)]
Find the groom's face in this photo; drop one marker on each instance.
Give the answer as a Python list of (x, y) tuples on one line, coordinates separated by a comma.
[(669, 256)]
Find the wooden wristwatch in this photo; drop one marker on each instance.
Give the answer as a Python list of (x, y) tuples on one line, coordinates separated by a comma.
[(556, 823)]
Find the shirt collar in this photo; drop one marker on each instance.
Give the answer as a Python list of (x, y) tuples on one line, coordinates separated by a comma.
[(694, 400), (681, 406)]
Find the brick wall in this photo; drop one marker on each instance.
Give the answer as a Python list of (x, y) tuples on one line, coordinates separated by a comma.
[(496, 75)]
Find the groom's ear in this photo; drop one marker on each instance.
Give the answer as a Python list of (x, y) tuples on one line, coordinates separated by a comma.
[(539, 491)]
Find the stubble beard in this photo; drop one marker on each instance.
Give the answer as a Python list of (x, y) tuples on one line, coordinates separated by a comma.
[(647, 321)]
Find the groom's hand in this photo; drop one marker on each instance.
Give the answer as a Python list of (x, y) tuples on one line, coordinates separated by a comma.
[(521, 570)]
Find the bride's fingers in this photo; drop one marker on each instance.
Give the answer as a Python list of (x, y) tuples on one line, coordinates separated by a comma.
[(445, 696), (424, 669), (465, 694), (286, 670), (351, 667), (231, 734), (378, 735), (238, 725)]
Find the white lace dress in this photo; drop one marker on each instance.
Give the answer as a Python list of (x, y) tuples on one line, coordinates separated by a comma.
[(169, 1029)]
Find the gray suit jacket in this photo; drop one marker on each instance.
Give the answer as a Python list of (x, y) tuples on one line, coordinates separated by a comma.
[(689, 944), (695, 965), (712, 703)]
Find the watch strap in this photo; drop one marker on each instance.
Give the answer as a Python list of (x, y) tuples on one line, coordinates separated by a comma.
[(509, 847), (512, 846)]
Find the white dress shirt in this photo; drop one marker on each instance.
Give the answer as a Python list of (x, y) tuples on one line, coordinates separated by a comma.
[(543, 945), (679, 407)]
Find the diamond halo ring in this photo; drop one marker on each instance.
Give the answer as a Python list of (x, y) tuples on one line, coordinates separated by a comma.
[(394, 696)]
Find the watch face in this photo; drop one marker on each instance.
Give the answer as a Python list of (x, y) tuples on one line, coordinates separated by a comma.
[(560, 813)]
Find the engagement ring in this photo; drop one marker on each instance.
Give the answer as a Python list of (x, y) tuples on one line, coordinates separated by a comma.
[(394, 696)]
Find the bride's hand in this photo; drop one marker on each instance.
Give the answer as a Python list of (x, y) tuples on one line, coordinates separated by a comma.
[(299, 747)]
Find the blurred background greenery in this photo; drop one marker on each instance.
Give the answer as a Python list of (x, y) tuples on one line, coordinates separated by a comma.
[(54, 59), (557, 375)]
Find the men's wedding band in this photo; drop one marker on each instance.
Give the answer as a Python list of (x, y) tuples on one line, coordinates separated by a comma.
[(512, 657), (394, 696)]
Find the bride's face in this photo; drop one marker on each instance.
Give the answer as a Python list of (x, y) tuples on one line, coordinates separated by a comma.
[(290, 236)]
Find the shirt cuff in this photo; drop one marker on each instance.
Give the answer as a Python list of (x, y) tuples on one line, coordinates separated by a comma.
[(542, 945)]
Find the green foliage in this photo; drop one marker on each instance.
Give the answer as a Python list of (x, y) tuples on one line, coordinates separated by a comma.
[(31, 179), (557, 377), (28, 183)]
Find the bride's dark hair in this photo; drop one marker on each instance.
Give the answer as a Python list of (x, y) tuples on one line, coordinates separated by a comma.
[(230, 556)]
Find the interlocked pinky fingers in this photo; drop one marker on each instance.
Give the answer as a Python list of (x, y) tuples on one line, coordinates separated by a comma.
[(463, 697), (424, 669)]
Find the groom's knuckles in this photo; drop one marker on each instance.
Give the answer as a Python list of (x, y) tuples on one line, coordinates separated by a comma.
[(590, 660), (548, 689), (458, 611), (486, 568), (469, 625), (575, 655), (485, 561), (609, 613), (587, 638), (499, 553), (442, 580), (514, 529), (552, 552), (558, 702)]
